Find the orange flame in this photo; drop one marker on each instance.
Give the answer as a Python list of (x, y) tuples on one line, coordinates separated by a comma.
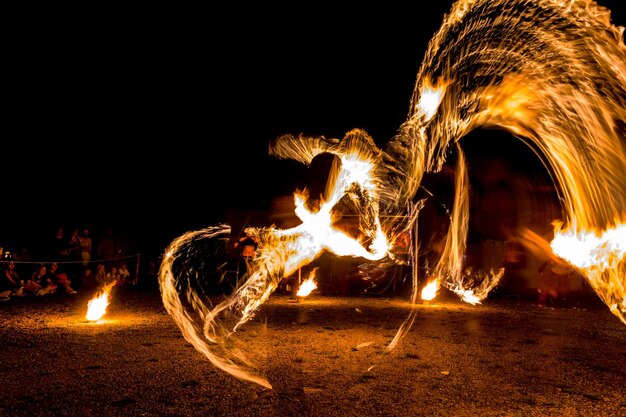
[(601, 257), (308, 285), (572, 125), (97, 306), (430, 290), (591, 250)]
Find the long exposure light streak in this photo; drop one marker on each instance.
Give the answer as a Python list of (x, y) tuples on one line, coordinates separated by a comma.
[(551, 73)]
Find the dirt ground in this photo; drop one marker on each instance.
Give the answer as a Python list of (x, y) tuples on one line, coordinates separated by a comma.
[(324, 356)]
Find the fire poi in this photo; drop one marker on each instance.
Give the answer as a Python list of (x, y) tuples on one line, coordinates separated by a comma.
[(553, 74)]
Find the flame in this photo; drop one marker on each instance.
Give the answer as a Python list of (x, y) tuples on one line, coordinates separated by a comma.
[(308, 285), (555, 81), (468, 296), (282, 252), (430, 98), (574, 124), (600, 255), (592, 249), (430, 290), (97, 306)]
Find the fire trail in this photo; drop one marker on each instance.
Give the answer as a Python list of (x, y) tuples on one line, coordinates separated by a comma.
[(551, 73)]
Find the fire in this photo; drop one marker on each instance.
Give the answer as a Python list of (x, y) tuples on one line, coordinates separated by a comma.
[(555, 81), (591, 250), (469, 297), (430, 290), (308, 285), (97, 306), (282, 252), (430, 98), (601, 257)]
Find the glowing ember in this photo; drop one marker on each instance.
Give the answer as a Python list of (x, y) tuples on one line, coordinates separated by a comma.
[(97, 306), (552, 73), (308, 285)]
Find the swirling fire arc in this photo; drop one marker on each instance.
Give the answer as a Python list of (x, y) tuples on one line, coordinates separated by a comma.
[(551, 73)]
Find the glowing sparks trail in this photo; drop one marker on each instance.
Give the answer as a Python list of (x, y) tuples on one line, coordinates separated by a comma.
[(602, 258), (552, 73), (280, 254)]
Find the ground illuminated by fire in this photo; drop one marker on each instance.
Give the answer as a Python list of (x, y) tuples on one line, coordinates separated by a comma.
[(552, 73)]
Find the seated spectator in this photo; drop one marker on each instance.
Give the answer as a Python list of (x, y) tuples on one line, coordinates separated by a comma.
[(40, 283), (60, 278), (10, 283), (113, 275), (86, 280), (100, 277), (124, 274)]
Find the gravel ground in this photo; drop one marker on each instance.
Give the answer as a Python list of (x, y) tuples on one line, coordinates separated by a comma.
[(324, 356)]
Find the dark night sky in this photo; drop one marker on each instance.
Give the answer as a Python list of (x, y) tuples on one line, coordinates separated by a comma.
[(149, 118)]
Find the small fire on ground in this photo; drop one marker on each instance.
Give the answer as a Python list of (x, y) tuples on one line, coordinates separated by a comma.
[(97, 306), (308, 285)]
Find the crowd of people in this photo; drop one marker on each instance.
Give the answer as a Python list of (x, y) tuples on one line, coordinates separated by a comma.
[(73, 263)]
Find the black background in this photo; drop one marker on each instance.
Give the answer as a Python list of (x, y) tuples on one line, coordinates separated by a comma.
[(158, 119)]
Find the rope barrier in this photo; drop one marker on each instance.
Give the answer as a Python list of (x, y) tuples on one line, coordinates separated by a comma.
[(81, 262)]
